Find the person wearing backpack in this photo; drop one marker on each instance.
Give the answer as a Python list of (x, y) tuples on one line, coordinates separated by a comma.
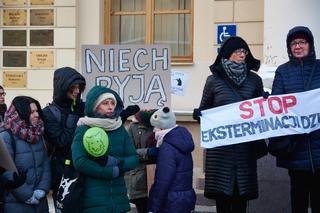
[(103, 172), (61, 117), (23, 137)]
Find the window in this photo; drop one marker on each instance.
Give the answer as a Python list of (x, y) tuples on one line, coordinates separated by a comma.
[(151, 22)]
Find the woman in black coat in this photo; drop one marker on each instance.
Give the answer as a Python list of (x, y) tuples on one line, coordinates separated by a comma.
[(231, 171)]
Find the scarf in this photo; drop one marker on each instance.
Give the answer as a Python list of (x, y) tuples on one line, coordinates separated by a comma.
[(237, 72), (20, 128), (159, 135), (107, 124)]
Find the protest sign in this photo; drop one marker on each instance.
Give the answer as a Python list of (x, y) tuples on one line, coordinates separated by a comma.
[(5, 158), (249, 120), (140, 74)]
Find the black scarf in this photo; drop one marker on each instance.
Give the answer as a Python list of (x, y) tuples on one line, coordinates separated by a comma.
[(237, 72)]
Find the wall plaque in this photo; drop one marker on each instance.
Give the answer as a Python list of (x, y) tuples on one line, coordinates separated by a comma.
[(42, 2), (41, 59), (41, 37), (14, 17), (41, 17), (14, 2), (14, 58), (15, 79), (14, 38)]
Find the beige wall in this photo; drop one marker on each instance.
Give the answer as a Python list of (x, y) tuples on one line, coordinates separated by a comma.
[(300, 12), (39, 79)]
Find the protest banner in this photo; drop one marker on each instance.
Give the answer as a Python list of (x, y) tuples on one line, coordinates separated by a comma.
[(140, 74), (258, 118), (5, 158)]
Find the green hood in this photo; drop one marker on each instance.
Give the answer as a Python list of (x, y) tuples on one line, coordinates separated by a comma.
[(93, 95)]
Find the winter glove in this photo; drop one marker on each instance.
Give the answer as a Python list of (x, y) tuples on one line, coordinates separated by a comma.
[(112, 161), (39, 194), (265, 94), (196, 114), (115, 172), (152, 152), (32, 200), (130, 110), (18, 180)]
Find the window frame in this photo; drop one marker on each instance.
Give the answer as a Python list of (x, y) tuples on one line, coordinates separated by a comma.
[(150, 13)]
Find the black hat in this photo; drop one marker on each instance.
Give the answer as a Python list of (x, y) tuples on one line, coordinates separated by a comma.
[(232, 45), (228, 47)]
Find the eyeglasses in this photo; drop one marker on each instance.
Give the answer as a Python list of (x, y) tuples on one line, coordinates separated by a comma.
[(3, 94), (240, 51), (301, 43)]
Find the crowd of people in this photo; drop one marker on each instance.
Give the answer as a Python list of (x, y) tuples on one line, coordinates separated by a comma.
[(115, 169)]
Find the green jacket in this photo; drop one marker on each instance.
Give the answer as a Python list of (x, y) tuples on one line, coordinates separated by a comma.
[(103, 193)]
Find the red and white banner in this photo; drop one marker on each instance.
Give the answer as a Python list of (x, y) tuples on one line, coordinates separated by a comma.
[(259, 118)]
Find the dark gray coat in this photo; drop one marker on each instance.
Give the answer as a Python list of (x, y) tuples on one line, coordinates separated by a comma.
[(34, 159)]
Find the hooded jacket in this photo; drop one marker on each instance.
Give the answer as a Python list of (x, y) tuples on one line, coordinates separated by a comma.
[(61, 125), (103, 193), (172, 188), (227, 165), (292, 77)]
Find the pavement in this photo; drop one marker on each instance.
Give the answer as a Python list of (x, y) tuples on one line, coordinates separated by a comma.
[(203, 205)]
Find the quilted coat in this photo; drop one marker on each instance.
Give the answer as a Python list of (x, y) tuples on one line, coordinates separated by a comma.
[(227, 165)]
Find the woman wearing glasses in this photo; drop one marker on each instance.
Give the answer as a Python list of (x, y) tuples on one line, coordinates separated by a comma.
[(231, 171), (3, 106), (301, 73)]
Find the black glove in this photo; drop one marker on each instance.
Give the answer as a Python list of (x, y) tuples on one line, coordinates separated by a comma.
[(127, 112), (196, 114), (265, 94), (18, 180)]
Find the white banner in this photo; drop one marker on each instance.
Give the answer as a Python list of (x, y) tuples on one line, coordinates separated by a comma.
[(259, 118)]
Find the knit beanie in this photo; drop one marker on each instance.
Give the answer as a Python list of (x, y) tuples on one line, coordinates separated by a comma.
[(231, 45), (143, 117), (163, 118), (104, 96), (96, 141)]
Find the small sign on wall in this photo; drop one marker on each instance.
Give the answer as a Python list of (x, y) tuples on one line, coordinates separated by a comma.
[(225, 31), (14, 17), (41, 59), (14, 79)]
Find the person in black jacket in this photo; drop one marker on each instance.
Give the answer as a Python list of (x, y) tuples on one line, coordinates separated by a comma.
[(61, 117), (231, 171), (301, 73)]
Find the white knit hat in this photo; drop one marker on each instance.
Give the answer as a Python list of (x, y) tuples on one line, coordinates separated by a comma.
[(104, 96), (163, 118)]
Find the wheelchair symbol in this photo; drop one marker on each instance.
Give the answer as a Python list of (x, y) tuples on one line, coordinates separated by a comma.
[(224, 34)]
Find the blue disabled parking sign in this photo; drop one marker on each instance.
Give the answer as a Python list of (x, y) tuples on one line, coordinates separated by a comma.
[(225, 31)]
